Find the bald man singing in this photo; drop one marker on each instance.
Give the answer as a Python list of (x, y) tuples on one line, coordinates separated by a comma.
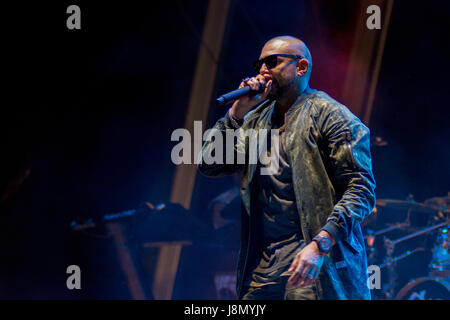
[(301, 237)]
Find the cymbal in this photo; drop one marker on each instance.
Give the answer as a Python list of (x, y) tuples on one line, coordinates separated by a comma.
[(406, 205), (439, 203)]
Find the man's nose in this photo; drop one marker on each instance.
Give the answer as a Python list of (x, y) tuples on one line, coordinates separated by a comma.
[(265, 72), (263, 69)]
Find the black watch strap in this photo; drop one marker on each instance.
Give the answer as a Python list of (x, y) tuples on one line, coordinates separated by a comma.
[(323, 243)]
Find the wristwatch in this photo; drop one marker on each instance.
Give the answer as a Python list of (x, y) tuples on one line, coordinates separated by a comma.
[(323, 243)]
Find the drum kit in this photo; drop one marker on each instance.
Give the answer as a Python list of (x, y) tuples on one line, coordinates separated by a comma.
[(409, 242)]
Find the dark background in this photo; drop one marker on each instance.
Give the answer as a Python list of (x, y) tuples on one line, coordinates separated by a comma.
[(91, 112)]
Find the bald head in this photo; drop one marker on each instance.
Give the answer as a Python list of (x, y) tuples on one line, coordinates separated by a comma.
[(289, 45)]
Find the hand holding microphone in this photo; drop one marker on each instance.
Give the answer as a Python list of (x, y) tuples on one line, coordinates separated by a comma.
[(259, 88)]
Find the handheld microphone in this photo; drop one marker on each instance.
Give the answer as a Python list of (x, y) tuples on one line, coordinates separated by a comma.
[(236, 94)]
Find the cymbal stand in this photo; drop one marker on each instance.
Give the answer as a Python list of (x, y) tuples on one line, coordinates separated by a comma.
[(390, 265), (396, 226), (420, 232), (370, 237), (390, 261)]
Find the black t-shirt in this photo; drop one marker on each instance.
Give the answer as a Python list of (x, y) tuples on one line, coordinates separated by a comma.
[(280, 233)]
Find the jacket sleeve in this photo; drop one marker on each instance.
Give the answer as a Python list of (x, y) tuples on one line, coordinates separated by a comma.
[(347, 144), (215, 148)]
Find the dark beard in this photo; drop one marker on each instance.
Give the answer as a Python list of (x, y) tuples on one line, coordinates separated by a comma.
[(275, 93), (279, 90)]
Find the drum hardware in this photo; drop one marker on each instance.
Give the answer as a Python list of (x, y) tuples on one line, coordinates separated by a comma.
[(415, 220), (423, 289), (418, 233), (440, 274), (409, 205), (390, 264), (440, 262), (441, 204), (390, 261), (406, 205), (402, 256), (441, 215), (370, 237), (391, 270), (400, 225)]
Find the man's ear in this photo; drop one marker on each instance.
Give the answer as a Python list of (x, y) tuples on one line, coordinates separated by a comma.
[(302, 67)]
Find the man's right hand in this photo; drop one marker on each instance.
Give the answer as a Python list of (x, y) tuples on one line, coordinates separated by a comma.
[(245, 104)]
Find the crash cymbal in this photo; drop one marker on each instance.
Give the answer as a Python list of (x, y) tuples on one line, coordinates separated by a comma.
[(406, 205), (439, 203)]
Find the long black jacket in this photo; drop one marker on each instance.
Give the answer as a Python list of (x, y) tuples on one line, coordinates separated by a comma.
[(328, 148)]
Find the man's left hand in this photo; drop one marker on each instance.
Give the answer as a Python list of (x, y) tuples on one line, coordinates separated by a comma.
[(306, 266)]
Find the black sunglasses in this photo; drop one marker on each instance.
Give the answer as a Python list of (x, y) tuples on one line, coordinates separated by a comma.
[(272, 61)]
